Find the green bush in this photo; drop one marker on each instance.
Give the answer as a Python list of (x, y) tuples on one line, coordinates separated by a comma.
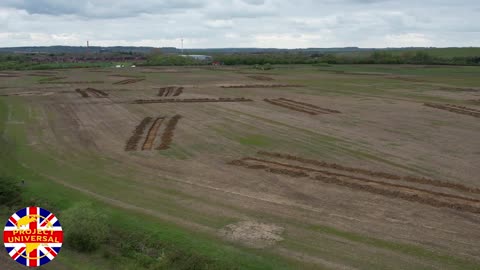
[(85, 227), (10, 192)]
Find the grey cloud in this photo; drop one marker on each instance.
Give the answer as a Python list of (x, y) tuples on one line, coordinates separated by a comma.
[(101, 8), (235, 23)]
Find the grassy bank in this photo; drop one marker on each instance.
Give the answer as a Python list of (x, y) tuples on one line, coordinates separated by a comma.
[(135, 240)]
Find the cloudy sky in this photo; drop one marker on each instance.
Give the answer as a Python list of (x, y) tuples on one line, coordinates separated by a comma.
[(241, 23)]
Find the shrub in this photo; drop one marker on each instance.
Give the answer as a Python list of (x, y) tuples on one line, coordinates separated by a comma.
[(85, 227), (10, 192)]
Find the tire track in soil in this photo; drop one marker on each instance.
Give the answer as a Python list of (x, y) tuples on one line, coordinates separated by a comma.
[(167, 136), (455, 109), (418, 180), (372, 186), (132, 143), (152, 134)]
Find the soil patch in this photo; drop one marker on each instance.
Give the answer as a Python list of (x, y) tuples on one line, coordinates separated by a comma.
[(253, 234)]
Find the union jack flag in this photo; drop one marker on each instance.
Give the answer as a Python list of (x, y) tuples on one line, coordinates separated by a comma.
[(33, 236)]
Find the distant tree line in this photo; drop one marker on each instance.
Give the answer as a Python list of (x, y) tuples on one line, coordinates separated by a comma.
[(27, 61), (377, 57)]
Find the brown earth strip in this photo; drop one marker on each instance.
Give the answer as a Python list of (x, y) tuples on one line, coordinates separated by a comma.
[(261, 86), (300, 106), (398, 194), (102, 71), (132, 143), (123, 76), (426, 181), (178, 92), (408, 193), (260, 78), (169, 91), (295, 108), (75, 82), (366, 180), (167, 136), (83, 93), (51, 79), (291, 173), (161, 91), (454, 109), (97, 93), (128, 81), (190, 100), (309, 105), (459, 89), (43, 73), (463, 108), (152, 134)]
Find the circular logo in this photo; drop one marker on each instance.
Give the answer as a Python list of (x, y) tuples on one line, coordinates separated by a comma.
[(33, 236)]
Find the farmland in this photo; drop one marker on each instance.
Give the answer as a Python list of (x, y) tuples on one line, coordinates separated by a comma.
[(298, 167)]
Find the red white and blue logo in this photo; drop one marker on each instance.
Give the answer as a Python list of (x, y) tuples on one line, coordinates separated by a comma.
[(33, 236)]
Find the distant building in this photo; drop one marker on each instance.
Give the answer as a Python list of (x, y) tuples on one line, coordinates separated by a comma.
[(205, 58)]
